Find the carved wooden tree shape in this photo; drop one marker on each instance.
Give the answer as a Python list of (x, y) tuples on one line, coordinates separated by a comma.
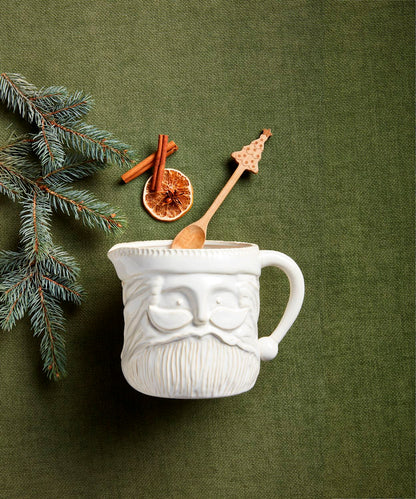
[(250, 155)]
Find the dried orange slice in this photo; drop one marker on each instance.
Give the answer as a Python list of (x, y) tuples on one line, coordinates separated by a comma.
[(173, 201)]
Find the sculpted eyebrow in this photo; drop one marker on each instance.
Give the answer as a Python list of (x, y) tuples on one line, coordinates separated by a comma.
[(186, 290), (220, 288), (176, 288)]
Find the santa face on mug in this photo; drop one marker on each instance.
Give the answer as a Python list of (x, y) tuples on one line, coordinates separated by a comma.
[(198, 327)]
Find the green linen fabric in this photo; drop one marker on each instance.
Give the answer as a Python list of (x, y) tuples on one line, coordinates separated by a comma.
[(333, 414)]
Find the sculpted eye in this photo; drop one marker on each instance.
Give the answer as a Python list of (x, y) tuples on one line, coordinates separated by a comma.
[(224, 297), (166, 319), (228, 318), (173, 299)]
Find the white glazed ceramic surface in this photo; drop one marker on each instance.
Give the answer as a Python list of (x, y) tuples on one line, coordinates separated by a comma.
[(191, 316)]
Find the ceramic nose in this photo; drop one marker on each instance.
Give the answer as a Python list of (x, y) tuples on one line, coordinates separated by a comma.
[(202, 315)]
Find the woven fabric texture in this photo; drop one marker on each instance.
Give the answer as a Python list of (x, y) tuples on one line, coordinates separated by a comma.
[(333, 414)]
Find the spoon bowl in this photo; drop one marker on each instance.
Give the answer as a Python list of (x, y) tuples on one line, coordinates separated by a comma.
[(192, 236)]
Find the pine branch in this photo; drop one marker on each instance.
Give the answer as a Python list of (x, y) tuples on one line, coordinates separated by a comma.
[(20, 147), (49, 99), (75, 107), (48, 147), (47, 322), (15, 293), (39, 276), (9, 285), (10, 261), (35, 230), (21, 96), (84, 206), (14, 181), (31, 103), (75, 168), (17, 94), (18, 157), (20, 272), (94, 143), (62, 288), (34, 280), (58, 262), (8, 190), (27, 287)]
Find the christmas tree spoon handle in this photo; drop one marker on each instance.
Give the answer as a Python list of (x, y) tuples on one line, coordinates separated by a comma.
[(194, 235)]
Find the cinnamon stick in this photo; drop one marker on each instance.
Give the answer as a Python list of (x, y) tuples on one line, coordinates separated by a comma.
[(157, 162), (146, 164), (161, 168)]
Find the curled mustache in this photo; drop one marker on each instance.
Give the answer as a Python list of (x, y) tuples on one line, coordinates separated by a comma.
[(166, 319)]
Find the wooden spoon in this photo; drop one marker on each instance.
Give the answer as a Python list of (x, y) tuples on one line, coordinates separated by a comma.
[(194, 235)]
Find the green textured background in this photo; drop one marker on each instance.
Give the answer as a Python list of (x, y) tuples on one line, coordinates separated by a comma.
[(333, 414)]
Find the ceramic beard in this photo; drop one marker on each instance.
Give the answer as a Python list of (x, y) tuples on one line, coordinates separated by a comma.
[(187, 331)]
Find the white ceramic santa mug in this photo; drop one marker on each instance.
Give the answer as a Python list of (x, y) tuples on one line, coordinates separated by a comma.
[(191, 316)]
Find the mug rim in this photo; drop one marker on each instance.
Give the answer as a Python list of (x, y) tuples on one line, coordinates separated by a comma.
[(164, 245), (226, 257)]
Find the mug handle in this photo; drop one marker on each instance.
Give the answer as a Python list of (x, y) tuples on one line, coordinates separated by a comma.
[(269, 344)]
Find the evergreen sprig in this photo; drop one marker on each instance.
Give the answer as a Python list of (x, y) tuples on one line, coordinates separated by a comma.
[(57, 115), (35, 171)]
